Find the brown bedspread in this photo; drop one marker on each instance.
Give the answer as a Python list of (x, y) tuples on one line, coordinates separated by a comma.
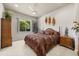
[(40, 43)]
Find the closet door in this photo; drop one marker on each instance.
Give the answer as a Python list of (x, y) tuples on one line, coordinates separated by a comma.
[(9, 40), (5, 33)]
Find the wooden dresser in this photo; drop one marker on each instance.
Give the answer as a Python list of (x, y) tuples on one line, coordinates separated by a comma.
[(6, 39), (67, 42)]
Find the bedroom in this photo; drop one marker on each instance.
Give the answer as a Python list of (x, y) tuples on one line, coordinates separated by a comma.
[(59, 17)]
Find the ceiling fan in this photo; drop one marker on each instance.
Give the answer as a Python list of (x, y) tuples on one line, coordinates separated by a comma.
[(32, 8)]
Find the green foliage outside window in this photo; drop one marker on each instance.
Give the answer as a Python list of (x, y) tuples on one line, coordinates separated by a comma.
[(24, 25)]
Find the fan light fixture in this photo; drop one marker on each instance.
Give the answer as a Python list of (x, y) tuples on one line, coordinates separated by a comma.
[(16, 5), (34, 12)]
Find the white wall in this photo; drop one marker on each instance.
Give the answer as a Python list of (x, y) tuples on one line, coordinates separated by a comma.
[(1, 11), (77, 11), (17, 35), (64, 18), (77, 19)]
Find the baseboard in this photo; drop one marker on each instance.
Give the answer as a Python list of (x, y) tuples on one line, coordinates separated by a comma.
[(76, 50), (16, 40)]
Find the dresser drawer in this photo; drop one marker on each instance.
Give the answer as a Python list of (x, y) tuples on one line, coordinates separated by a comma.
[(67, 42)]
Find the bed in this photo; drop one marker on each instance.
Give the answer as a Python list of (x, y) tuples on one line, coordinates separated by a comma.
[(42, 41)]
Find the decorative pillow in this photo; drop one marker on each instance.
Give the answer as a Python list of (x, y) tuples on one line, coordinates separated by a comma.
[(48, 33), (41, 32)]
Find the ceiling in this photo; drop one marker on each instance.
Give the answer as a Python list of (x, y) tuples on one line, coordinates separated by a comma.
[(39, 8)]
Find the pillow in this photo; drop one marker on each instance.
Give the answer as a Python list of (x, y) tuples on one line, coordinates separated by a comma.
[(41, 32), (48, 33)]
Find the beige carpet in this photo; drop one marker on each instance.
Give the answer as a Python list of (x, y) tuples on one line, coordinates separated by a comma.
[(19, 48)]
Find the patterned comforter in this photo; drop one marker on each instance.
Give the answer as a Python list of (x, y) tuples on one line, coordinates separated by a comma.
[(41, 43)]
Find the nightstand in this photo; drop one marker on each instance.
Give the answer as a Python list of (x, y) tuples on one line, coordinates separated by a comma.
[(67, 42)]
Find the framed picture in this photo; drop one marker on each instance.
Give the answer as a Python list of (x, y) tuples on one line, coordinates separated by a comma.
[(53, 21), (24, 25), (49, 20)]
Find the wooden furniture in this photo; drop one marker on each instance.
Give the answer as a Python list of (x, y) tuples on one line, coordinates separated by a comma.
[(67, 42), (6, 33)]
